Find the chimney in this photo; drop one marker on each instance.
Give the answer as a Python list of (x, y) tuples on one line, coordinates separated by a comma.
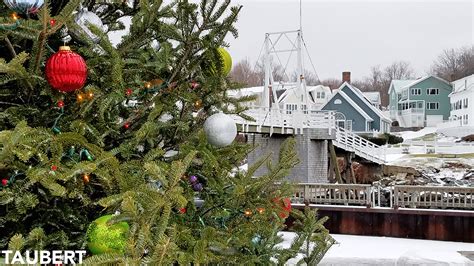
[(346, 76)]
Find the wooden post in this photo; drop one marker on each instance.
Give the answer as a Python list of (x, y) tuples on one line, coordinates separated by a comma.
[(336, 170)]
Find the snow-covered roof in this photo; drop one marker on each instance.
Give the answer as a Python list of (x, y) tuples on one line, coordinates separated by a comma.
[(398, 84), (463, 84), (372, 96), (245, 91), (423, 79)]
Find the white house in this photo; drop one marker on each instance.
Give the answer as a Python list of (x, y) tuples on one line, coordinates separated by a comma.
[(289, 99), (462, 101), (373, 97), (461, 119)]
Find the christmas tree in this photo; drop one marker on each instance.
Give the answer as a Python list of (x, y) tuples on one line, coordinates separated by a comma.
[(102, 147)]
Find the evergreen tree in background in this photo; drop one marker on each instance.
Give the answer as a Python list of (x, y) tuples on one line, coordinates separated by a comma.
[(130, 141)]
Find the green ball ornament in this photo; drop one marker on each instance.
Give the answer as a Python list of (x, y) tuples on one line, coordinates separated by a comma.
[(226, 60), (103, 238)]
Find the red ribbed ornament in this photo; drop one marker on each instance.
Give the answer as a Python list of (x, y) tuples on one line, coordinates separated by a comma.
[(65, 70)]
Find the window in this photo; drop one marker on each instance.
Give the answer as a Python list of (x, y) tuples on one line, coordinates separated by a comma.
[(432, 91), (432, 106), (318, 95), (466, 120), (349, 125), (337, 101), (304, 108), (420, 105), (291, 107), (323, 95), (416, 91), (465, 103)]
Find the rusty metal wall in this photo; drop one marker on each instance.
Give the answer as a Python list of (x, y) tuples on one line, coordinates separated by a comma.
[(405, 223)]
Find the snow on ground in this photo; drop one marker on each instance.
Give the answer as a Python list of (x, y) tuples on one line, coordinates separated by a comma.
[(369, 250), (417, 134)]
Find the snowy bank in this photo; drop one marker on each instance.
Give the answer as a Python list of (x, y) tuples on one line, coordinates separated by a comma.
[(368, 250)]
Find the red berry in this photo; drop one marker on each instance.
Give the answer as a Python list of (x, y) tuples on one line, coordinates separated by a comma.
[(4, 182), (52, 22), (60, 104), (54, 168), (182, 210)]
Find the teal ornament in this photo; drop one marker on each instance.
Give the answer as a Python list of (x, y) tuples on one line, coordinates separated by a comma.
[(256, 239), (56, 130), (86, 153), (103, 238), (24, 6)]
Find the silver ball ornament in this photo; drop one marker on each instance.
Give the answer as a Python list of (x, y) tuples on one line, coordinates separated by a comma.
[(220, 129), (24, 6), (83, 18)]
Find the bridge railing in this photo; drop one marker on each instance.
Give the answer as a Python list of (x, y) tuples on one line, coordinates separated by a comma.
[(440, 197), (391, 197), (362, 147), (297, 119), (333, 194)]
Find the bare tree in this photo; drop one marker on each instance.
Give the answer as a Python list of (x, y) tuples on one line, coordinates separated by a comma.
[(310, 78), (244, 73), (379, 78), (398, 70), (332, 83), (453, 64)]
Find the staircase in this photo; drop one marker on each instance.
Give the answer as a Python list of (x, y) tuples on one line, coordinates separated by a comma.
[(363, 148)]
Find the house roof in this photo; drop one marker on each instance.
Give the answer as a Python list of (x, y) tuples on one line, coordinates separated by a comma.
[(423, 79), (365, 100), (245, 91), (398, 84), (351, 102), (372, 96), (463, 84)]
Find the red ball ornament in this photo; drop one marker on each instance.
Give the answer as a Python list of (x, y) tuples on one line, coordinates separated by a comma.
[(4, 182), (182, 210), (66, 70), (284, 207)]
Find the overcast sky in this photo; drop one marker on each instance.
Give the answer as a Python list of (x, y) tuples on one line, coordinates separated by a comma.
[(355, 35)]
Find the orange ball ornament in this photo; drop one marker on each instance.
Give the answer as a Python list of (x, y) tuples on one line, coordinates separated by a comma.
[(66, 71)]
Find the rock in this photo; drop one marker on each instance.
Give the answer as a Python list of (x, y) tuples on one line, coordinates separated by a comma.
[(469, 174), (468, 138), (431, 170), (455, 165)]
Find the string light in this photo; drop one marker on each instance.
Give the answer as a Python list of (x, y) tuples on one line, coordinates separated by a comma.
[(129, 92), (90, 95), (147, 84), (86, 178), (52, 22), (260, 210), (126, 125), (197, 104), (15, 16), (80, 97), (60, 104), (182, 210), (247, 213)]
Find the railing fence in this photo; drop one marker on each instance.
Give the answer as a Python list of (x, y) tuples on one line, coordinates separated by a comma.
[(391, 197)]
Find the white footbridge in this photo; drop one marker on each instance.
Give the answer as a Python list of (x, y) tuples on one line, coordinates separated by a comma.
[(274, 121)]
